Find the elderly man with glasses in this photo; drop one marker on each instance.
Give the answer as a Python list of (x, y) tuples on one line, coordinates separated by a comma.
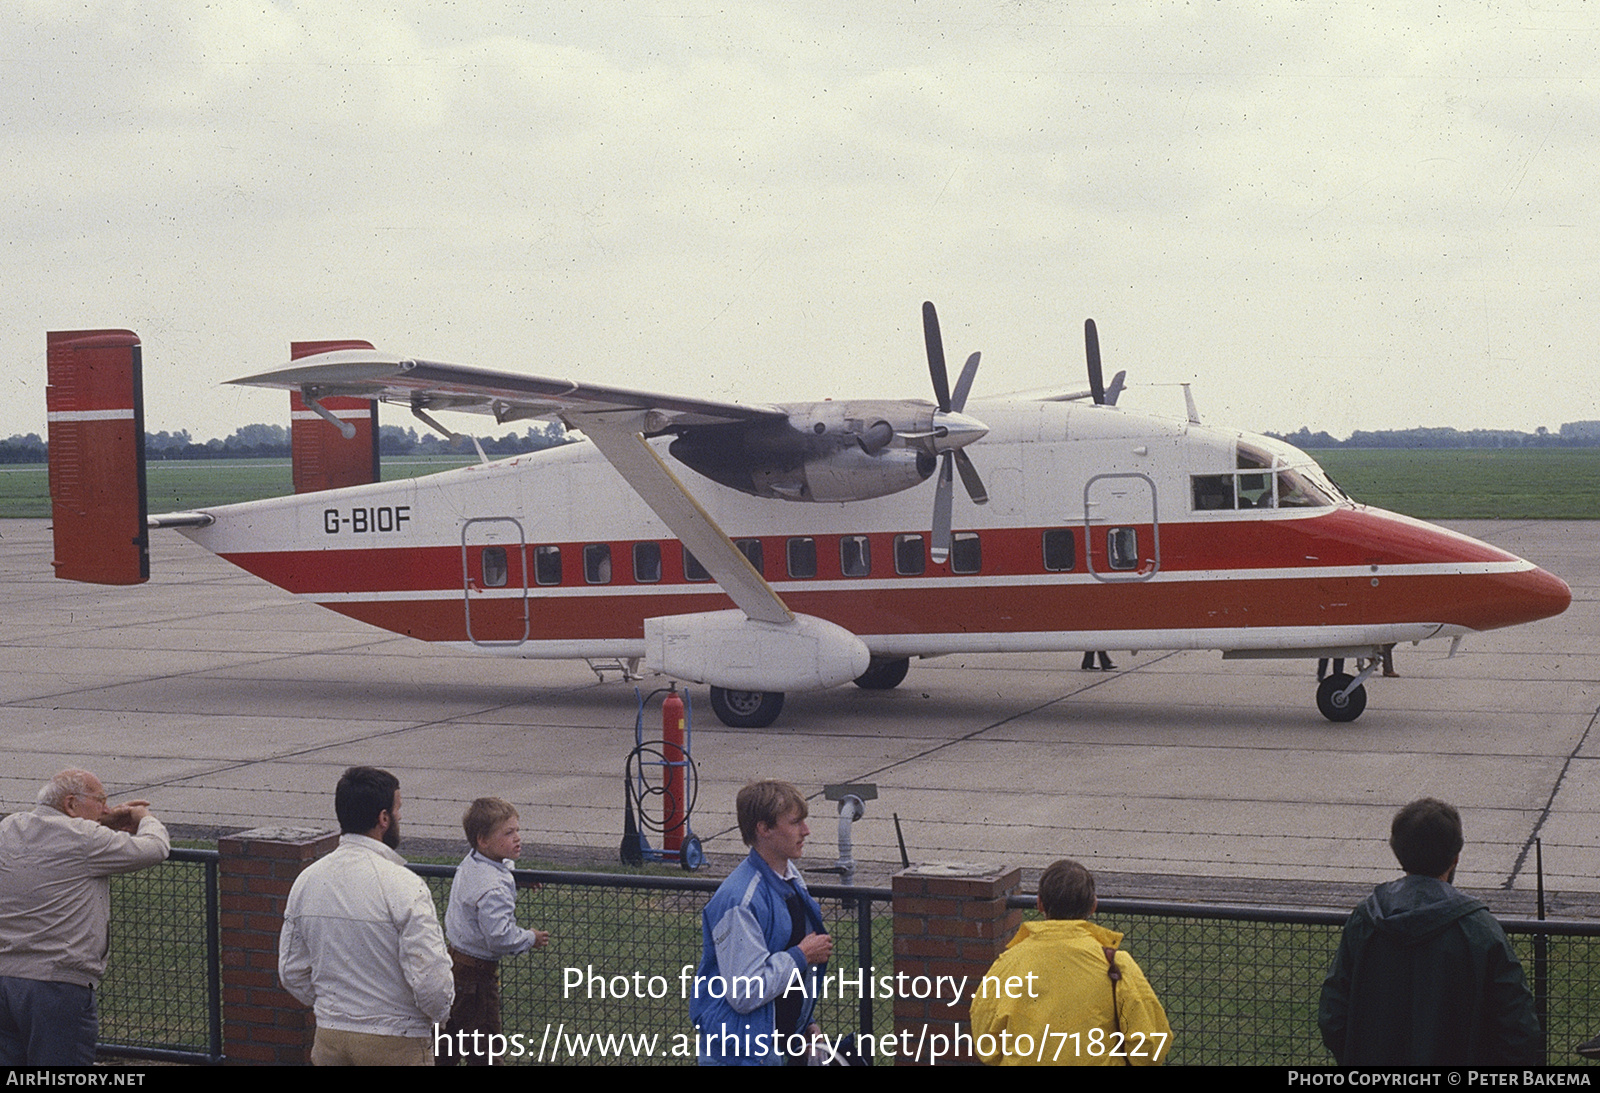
[(55, 914)]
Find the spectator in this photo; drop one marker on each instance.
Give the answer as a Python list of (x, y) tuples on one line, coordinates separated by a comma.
[(1424, 975)]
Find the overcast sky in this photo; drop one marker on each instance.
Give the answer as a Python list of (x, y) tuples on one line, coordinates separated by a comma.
[(1336, 214)]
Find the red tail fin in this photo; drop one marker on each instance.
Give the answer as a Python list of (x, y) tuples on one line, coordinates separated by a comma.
[(323, 459), (96, 412)]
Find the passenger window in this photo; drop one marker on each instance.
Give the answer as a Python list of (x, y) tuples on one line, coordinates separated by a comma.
[(751, 549), (494, 567), (1122, 548), (547, 564), (597, 563), (855, 556), (1212, 491), (966, 554), (646, 562), (910, 560), (1060, 551), (802, 557), (692, 569)]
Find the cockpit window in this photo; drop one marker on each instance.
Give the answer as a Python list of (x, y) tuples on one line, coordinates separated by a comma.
[(1264, 480), (1301, 491), (1252, 458), (1255, 491), (1212, 491)]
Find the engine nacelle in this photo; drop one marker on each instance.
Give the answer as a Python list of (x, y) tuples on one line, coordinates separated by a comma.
[(848, 474), (728, 649), (824, 451)]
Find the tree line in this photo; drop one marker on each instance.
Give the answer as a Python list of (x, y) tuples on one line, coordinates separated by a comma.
[(264, 441), (1574, 434)]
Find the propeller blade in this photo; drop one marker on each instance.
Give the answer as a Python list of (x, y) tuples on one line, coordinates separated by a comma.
[(1091, 341), (936, 368), (950, 426), (958, 401), (940, 548), (969, 478), (1114, 390)]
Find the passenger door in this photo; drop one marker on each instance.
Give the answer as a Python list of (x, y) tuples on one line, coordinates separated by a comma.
[(1121, 528), (494, 581)]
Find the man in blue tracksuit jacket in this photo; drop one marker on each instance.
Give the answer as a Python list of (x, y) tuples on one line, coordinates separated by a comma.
[(764, 945)]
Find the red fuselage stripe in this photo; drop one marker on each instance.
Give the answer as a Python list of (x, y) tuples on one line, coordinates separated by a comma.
[(419, 590)]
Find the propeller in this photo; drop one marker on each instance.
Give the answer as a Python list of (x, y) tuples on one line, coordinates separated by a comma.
[(952, 431), (1091, 343), (1102, 395), (1114, 388)]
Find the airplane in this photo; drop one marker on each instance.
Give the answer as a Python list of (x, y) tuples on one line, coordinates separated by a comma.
[(768, 549)]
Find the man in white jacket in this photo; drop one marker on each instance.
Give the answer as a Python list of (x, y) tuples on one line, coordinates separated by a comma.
[(361, 942)]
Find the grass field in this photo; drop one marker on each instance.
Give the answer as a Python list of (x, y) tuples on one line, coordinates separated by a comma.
[(1463, 484), (1472, 483), (178, 484)]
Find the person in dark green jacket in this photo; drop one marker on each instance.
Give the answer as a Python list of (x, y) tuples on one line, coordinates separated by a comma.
[(1424, 975)]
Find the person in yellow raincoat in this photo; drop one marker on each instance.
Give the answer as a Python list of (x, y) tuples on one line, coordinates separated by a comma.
[(1063, 994)]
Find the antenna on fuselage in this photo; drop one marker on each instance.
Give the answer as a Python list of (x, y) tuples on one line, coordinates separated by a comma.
[(1188, 402)]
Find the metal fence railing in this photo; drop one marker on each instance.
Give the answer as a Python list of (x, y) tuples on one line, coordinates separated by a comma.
[(615, 965), (162, 996), (1240, 984)]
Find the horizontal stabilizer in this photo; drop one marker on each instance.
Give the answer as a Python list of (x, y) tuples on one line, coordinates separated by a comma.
[(97, 493)]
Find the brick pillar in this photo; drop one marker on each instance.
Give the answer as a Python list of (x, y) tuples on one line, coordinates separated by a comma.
[(261, 1022), (949, 920)]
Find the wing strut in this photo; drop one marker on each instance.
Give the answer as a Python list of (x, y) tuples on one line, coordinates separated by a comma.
[(617, 435)]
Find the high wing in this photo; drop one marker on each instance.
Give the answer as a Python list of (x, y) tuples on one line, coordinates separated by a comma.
[(507, 396), (615, 419)]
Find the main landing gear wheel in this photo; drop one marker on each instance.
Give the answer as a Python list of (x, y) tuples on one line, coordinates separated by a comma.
[(884, 675), (746, 709), (1335, 705)]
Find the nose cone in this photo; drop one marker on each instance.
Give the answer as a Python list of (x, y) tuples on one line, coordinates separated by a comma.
[(1422, 572), (953, 430), (1527, 596)]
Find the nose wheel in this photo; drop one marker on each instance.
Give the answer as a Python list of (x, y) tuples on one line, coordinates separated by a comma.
[(1339, 700)]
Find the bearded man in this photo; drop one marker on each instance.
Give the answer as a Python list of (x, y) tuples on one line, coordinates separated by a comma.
[(361, 943)]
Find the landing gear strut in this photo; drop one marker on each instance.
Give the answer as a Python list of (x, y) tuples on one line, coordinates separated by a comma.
[(1341, 698), (746, 709)]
